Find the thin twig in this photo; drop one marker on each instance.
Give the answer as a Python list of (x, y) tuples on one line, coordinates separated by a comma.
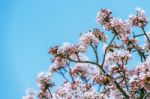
[(107, 49), (138, 35), (63, 75), (96, 53), (70, 73), (145, 34), (50, 93)]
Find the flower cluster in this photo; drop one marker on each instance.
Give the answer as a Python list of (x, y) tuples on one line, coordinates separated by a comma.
[(100, 35), (141, 77), (118, 57), (101, 79), (92, 37), (67, 51), (139, 19), (43, 79), (58, 63), (88, 38), (112, 93), (44, 82), (92, 95), (103, 17), (119, 27), (112, 47), (77, 90), (30, 94), (70, 91), (84, 70)]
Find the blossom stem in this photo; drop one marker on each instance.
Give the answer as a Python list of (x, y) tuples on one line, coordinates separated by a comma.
[(77, 56), (96, 53), (145, 34), (141, 53), (50, 93), (63, 75), (107, 49), (121, 90), (71, 73), (81, 61), (138, 35)]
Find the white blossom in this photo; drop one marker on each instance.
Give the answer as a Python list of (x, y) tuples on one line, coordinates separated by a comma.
[(88, 38), (43, 79), (30, 94)]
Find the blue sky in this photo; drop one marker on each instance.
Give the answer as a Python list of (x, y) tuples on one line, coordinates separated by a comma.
[(28, 28)]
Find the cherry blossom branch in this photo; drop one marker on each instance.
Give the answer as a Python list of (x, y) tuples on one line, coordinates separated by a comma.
[(106, 74)]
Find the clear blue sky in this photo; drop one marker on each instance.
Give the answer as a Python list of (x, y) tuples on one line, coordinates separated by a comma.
[(29, 27)]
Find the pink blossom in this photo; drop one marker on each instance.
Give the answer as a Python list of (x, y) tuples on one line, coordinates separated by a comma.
[(103, 17), (30, 94), (43, 79), (84, 70), (88, 38), (139, 19), (118, 56), (122, 28)]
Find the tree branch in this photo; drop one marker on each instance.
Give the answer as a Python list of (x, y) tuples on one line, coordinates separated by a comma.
[(106, 74)]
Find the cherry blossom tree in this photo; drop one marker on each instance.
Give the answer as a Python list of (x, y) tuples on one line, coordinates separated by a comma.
[(120, 69)]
